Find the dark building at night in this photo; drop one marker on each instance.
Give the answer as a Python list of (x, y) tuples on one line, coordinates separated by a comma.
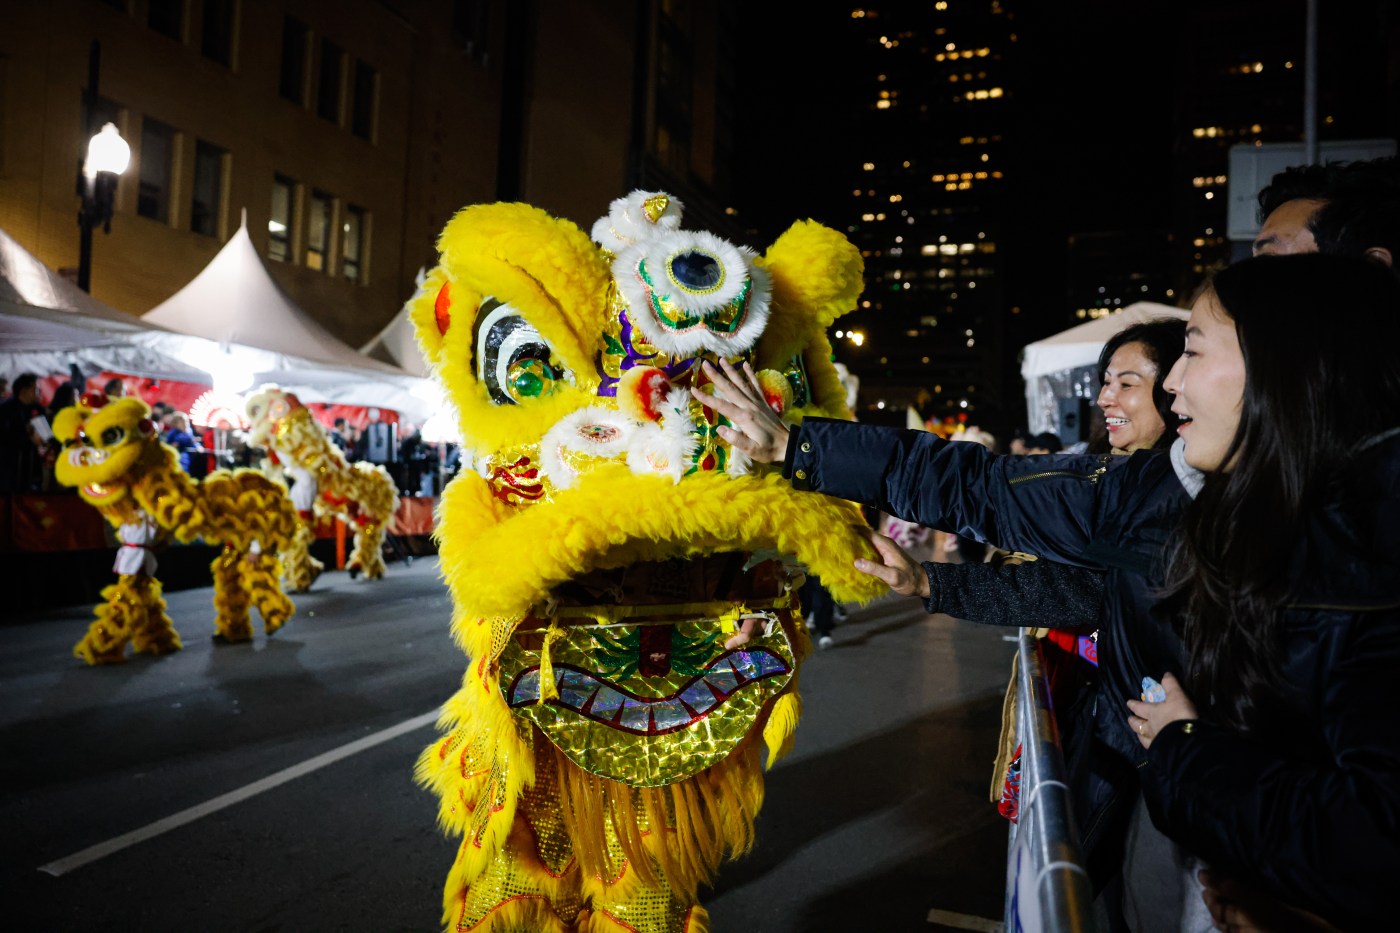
[(1241, 81)]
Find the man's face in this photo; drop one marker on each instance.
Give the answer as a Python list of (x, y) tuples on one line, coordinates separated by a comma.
[(1285, 231), (28, 395)]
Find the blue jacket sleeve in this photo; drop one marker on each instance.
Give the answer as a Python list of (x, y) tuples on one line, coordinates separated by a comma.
[(1043, 505)]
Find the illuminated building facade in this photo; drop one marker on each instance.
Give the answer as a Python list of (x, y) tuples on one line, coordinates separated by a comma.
[(929, 205), (350, 130)]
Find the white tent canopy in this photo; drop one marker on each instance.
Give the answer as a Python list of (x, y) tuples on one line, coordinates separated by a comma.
[(257, 334), (48, 324), (234, 300), (397, 344), (1080, 345), (25, 281)]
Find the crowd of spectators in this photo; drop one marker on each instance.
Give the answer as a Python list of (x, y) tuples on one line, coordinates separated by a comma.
[(1238, 764), (28, 448)]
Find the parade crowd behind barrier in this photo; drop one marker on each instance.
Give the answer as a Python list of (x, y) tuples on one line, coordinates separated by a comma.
[(41, 519)]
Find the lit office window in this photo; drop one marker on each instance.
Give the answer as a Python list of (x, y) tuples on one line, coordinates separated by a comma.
[(157, 150), (208, 188), (292, 82), (328, 87), (362, 106), (318, 230), (279, 223), (216, 40), (353, 233)]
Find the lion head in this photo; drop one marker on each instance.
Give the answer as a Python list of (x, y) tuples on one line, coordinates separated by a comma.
[(105, 442), (265, 409), (606, 539)]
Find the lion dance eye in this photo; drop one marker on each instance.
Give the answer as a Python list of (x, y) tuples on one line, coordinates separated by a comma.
[(696, 272), (513, 360), (112, 436)]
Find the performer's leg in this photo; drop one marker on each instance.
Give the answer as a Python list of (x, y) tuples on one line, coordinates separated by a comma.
[(117, 616), (230, 599), (301, 569), (261, 580), (156, 633), (369, 551)]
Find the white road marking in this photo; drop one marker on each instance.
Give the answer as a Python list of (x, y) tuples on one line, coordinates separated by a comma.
[(103, 849), (963, 921)]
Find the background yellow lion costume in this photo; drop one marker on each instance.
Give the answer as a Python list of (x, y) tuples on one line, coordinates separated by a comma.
[(362, 494), (624, 586), (114, 456)]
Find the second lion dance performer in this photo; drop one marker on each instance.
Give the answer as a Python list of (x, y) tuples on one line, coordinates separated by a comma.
[(624, 586), (113, 455), (363, 494)]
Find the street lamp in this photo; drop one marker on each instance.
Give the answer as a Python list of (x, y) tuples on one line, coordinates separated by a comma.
[(107, 157)]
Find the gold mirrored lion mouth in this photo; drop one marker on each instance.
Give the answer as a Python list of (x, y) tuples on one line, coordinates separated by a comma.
[(642, 674), (594, 697)]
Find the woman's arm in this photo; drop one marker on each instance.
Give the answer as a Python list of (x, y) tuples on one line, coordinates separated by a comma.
[(1318, 831), (1038, 594)]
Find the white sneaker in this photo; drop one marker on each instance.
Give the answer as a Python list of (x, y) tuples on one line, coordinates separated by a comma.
[(811, 621), (825, 642)]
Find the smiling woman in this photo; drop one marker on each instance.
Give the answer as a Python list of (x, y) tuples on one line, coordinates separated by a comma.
[(1136, 408)]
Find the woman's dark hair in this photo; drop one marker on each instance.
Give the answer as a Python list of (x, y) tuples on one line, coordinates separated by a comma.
[(1162, 341), (1318, 335)]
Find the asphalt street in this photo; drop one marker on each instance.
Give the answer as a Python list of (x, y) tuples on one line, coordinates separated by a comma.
[(287, 767)]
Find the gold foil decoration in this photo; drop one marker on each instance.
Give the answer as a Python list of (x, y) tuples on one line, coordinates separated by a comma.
[(655, 206)]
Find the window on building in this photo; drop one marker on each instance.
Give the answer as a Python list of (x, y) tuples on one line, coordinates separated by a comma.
[(157, 153), (318, 231), (216, 40), (354, 232), (208, 188), (362, 108), (328, 87), (279, 222), (293, 80), (167, 17)]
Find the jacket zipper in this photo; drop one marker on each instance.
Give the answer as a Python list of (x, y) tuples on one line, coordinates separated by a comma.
[(1093, 477)]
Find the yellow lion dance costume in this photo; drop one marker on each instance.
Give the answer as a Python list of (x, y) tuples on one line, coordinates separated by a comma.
[(362, 494), (114, 457), (624, 584)]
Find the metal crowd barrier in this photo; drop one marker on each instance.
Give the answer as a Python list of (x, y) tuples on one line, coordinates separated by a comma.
[(1047, 888)]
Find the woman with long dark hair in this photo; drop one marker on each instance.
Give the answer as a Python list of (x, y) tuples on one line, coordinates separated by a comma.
[(1277, 757)]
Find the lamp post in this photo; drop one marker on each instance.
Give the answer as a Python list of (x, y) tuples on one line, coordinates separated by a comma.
[(107, 157)]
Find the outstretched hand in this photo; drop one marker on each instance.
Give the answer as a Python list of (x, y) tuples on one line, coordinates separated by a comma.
[(1149, 719), (757, 430), (896, 567)]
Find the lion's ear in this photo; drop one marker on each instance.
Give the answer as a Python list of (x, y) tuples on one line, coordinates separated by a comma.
[(817, 277), (430, 311), (815, 271)]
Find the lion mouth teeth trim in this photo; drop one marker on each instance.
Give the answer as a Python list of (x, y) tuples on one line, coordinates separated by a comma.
[(589, 695)]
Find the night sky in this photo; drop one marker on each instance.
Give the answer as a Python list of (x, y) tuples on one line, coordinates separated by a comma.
[(1100, 108)]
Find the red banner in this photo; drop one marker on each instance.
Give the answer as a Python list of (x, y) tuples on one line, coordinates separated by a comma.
[(52, 523)]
